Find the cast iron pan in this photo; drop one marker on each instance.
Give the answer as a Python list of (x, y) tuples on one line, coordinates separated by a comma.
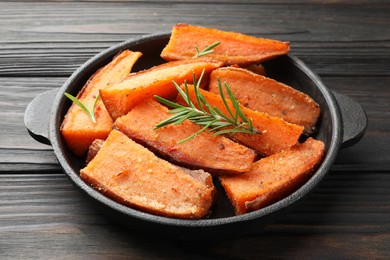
[(342, 122)]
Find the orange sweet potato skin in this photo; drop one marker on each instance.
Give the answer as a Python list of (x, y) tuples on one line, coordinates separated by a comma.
[(215, 154), (77, 129), (264, 94), (235, 48), (120, 98), (134, 176), (255, 68), (273, 177), (276, 134)]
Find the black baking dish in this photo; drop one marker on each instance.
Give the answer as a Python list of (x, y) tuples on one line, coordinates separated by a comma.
[(342, 123)]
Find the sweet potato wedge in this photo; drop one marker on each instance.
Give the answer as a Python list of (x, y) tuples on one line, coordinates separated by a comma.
[(256, 68), (120, 98), (201, 176), (276, 134), (93, 149), (274, 177), (77, 129), (235, 48), (131, 174), (264, 94), (215, 154)]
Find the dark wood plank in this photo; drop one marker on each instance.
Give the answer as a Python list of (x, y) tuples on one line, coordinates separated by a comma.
[(41, 212), (64, 35), (15, 95), (42, 215)]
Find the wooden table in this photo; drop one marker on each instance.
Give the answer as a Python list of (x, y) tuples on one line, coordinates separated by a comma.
[(346, 42)]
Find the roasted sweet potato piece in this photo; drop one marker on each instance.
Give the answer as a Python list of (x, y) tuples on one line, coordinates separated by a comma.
[(276, 134), (131, 174), (256, 68), (215, 154), (120, 98), (264, 94), (235, 48), (274, 177), (94, 149), (77, 128), (201, 176)]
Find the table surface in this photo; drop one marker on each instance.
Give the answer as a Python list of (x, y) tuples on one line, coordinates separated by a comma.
[(347, 43)]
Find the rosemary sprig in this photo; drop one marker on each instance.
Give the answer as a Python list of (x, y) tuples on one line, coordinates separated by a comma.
[(90, 113), (205, 115), (209, 49)]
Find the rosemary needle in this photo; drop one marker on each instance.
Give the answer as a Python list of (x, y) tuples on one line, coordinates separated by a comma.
[(209, 49), (90, 113), (205, 115)]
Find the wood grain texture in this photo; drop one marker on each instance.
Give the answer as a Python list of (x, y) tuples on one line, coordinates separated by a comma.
[(44, 213), (64, 34), (43, 216)]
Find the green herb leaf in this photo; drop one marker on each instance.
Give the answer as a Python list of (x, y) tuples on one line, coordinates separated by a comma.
[(90, 113), (207, 50), (211, 118)]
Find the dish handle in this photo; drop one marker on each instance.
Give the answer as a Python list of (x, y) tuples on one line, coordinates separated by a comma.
[(354, 119), (37, 116)]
